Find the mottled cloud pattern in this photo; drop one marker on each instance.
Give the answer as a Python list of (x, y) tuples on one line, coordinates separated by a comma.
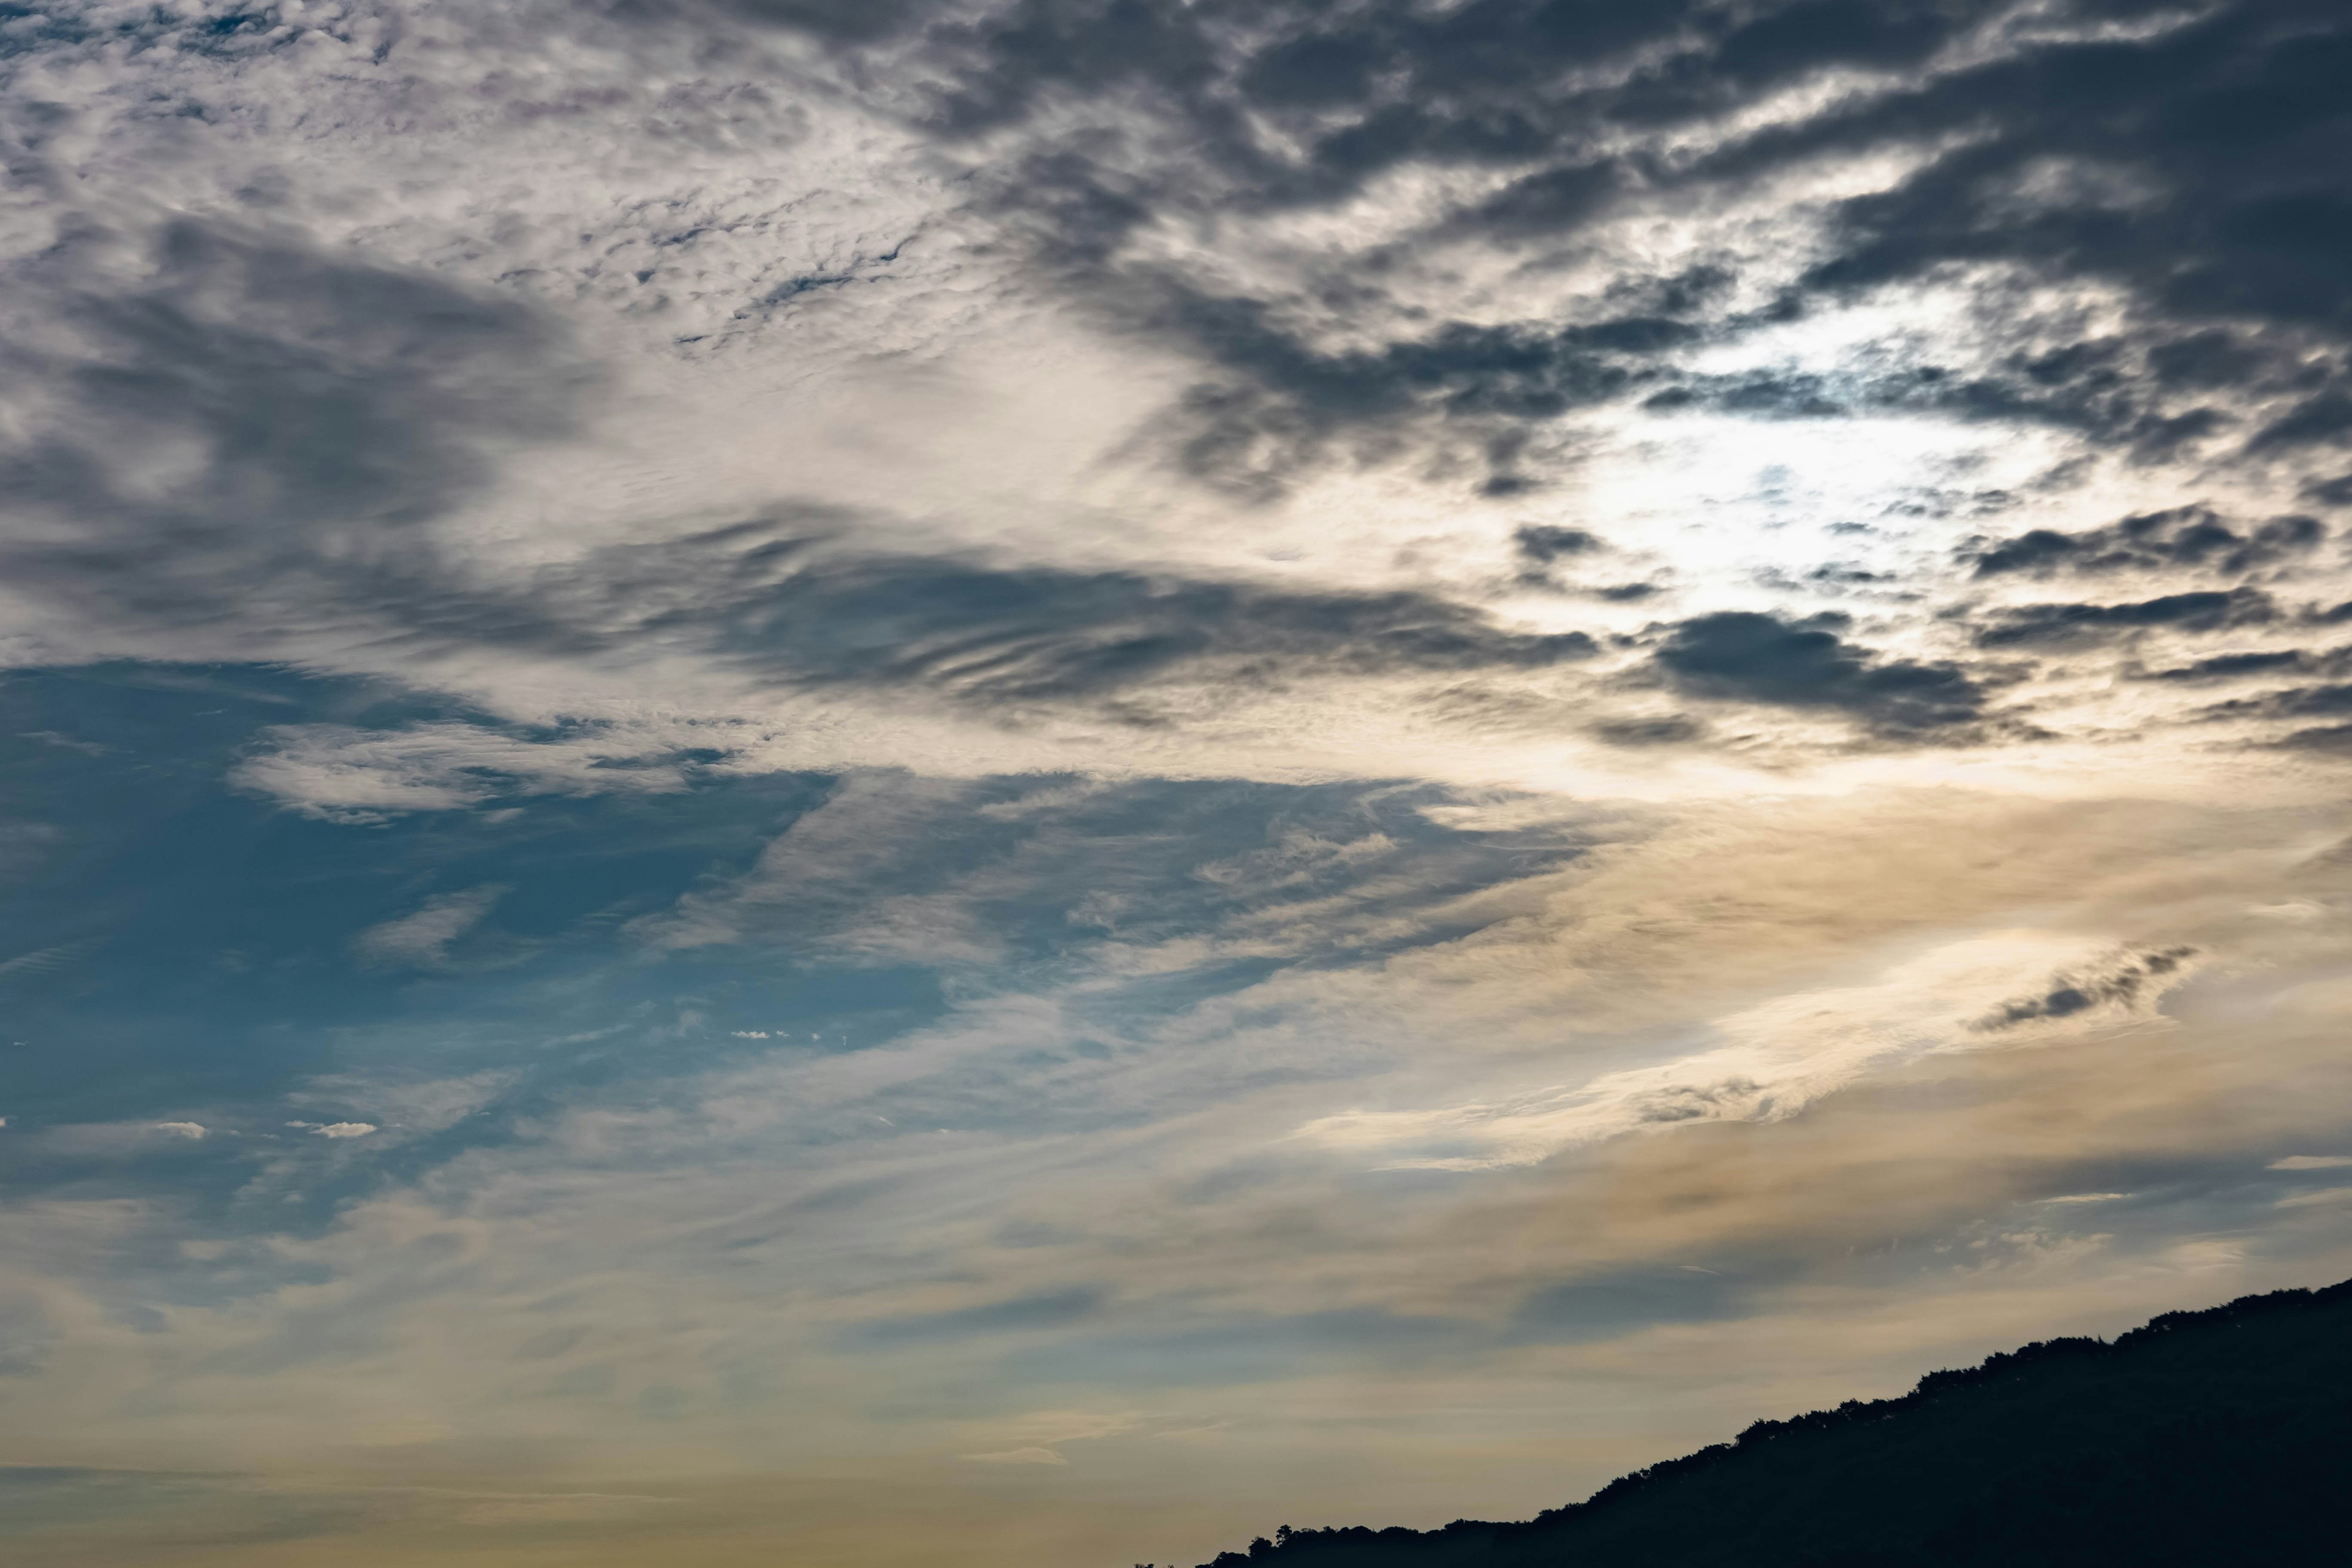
[(1018, 780)]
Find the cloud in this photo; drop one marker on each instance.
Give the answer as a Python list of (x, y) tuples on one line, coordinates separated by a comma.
[(2205, 611), (853, 871), (1744, 656), (335, 1128), (1584, 128), (2184, 120), (2317, 1197), (1775, 1060), (420, 938), (2312, 1162), (341, 774), (2193, 537), (209, 417), (116, 1140), (1542, 544), (793, 608), (1022, 585), (2115, 983), (45, 961), (2291, 702), (2238, 665)]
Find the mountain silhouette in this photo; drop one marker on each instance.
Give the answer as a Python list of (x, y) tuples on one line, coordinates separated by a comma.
[(2219, 1438)]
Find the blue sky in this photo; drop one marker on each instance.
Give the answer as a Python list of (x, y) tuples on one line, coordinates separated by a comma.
[(1033, 782)]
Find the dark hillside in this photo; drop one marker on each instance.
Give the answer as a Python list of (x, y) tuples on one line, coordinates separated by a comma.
[(2221, 1437)]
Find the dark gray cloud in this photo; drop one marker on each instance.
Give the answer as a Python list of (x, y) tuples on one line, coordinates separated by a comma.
[(1667, 732), (784, 606), (1292, 398), (2210, 181), (2238, 665), (2184, 537), (1357, 92), (312, 410), (1744, 656), (319, 409), (2055, 624), (2117, 983), (2196, 164), (2325, 738), (2292, 702), (1367, 88), (1541, 544)]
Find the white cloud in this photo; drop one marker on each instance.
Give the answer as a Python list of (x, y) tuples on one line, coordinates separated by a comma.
[(829, 876), (354, 776), (420, 938), (2312, 1162), (1776, 1059), (182, 1129)]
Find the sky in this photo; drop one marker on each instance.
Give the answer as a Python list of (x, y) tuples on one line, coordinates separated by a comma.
[(1029, 782)]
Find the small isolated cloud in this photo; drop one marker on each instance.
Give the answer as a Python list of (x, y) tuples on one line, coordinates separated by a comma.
[(421, 940), (182, 1129), (335, 1128), (1016, 1457), (2312, 1162)]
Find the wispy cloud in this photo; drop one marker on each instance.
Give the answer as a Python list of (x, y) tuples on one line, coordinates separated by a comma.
[(420, 938), (1775, 1060)]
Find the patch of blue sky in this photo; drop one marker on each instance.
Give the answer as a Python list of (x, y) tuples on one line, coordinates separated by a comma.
[(187, 958), (187, 952)]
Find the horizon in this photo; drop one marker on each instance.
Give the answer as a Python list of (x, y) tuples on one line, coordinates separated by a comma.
[(1020, 783)]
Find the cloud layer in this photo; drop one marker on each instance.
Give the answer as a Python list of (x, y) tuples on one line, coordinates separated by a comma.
[(1021, 779)]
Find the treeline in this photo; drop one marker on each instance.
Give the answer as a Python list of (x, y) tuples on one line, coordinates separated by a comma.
[(2217, 1438)]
